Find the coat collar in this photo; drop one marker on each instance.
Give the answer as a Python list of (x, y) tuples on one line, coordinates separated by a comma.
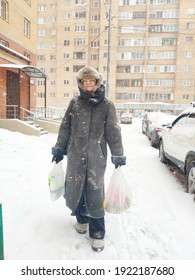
[(93, 98)]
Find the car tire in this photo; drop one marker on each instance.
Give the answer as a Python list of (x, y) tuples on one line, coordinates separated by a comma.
[(190, 177), (153, 144), (162, 153)]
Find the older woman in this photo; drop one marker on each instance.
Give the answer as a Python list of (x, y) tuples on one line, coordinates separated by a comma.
[(89, 124)]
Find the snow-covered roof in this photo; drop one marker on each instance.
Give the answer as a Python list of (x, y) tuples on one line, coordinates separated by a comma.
[(31, 71)]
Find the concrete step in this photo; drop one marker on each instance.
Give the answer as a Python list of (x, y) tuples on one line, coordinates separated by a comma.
[(41, 129)]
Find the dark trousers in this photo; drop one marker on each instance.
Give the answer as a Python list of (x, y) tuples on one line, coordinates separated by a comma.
[(96, 226)]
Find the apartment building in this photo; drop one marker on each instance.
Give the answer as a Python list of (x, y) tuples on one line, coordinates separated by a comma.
[(145, 49), (18, 24)]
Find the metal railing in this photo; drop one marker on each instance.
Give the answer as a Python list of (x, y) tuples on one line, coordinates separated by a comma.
[(16, 112)]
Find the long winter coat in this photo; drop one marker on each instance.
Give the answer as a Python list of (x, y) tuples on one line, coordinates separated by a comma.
[(89, 124)]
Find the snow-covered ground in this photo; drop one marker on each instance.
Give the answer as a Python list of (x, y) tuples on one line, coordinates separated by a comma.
[(160, 224)]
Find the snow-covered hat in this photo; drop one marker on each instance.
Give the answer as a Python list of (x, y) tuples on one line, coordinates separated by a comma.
[(89, 73)]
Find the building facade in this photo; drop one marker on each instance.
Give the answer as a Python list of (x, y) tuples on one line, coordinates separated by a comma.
[(145, 49), (18, 47)]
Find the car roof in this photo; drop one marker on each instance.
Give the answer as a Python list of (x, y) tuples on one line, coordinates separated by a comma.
[(190, 109)]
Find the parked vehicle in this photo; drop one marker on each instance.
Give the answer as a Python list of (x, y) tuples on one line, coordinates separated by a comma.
[(177, 145), (156, 126), (126, 118), (152, 124)]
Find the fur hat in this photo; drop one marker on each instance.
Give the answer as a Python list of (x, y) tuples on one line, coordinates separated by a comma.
[(89, 73)]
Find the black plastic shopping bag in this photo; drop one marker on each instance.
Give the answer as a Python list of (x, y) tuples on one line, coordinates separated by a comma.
[(56, 181), (118, 195)]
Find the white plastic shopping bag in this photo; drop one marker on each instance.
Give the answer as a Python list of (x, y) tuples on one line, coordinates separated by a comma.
[(118, 195), (56, 181)]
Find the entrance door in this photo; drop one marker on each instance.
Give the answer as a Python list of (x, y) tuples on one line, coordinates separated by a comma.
[(13, 94)]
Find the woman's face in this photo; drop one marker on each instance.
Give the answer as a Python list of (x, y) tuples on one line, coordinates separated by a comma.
[(89, 84)]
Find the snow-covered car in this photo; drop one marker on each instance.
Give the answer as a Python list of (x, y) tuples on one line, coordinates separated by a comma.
[(152, 124), (126, 118), (177, 145), (156, 127)]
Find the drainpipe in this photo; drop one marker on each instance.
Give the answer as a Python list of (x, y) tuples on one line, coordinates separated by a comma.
[(1, 234), (45, 98)]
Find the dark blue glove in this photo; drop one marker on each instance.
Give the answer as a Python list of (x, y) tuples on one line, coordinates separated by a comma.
[(58, 154), (118, 160)]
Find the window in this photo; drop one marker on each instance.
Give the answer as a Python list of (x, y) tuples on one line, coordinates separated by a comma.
[(159, 96), (66, 42), (122, 83), (94, 57), (53, 32), (76, 68), (79, 41), (151, 68), (137, 69), (169, 41), (81, 14), (66, 82), (41, 58), (52, 95), (95, 4), (41, 20), (139, 15), (4, 10), (188, 54), (66, 28), (80, 28), (185, 96), (189, 39), (132, 29), (80, 2), (41, 95), (42, 7), (66, 95), (4, 43), (41, 46), (66, 55), (191, 11), (53, 44), (170, 28), (95, 44), (27, 55), (79, 55), (53, 7), (129, 96), (27, 28), (164, 14), (66, 69), (41, 33), (186, 83), (189, 25), (52, 70), (137, 55), (164, 1), (136, 82), (131, 2), (95, 18), (153, 55), (167, 68), (52, 57), (156, 82), (187, 68), (41, 82), (168, 55), (123, 69), (53, 18), (66, 16)]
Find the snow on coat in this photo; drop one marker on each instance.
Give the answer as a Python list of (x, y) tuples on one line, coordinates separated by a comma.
[(89, 124)]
